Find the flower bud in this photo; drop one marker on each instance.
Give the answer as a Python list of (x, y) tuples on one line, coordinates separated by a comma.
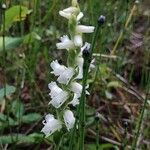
[(101, 20), (86, 50)]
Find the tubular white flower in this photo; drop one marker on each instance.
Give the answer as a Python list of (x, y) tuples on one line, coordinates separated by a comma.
[(84, 29), (75, 100), (69, 119), (67, 13), (78, 40), (57, 68), (76, 87), (51, 125), (65, 43), (57, 94), (71, 10), (66, 75), (64, 14)]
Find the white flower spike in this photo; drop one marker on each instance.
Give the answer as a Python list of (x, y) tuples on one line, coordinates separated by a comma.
[(69, 119), (51, 125)]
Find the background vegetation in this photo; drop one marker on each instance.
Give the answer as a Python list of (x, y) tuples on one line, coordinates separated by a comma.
[(119, 86)]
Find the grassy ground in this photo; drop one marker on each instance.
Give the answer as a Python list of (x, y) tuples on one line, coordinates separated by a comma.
[(118, 88)]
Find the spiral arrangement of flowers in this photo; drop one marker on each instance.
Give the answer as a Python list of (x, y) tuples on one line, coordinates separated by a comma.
[(67, 89)]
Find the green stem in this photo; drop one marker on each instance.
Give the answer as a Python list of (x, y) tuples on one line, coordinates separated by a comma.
[(86, 65), (138, 127)]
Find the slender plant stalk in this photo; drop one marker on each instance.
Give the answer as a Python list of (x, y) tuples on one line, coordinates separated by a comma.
[(138, 127), (86, 65), (134, 8), (97, 134)]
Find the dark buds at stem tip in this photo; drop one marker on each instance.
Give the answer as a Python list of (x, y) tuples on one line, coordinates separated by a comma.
[(101, 20), (86, 51)]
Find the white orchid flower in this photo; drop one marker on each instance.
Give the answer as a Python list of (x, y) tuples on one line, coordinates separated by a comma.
[(77, 88), (64, 73), (69, 119), (67, 13), (57, 68), (57, 94), (65, 43), (51, 125)]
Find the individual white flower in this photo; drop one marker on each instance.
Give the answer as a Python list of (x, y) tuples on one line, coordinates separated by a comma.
[(69, 119), (65, 43), (66, 13), (75, 100), (84, 29), (57, 68), (71, 10), (51, 125), (78, 40), (66, 75), (76, 87), (57, 94)]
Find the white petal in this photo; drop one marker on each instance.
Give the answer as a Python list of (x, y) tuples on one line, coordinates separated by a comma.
[(64, 14), (75, 100), (65, 76), (80, 16), (70, 10), (65, 45), (59, 99), (84, 29), (78, 40), (76, 88), (57, 68), (69, 119), (51, 125), (55, 90)]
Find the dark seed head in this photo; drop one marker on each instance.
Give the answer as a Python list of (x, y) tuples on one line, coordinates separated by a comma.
[(86, 50), (101, 20)]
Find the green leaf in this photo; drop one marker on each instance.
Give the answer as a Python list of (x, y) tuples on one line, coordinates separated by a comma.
[(4, 121), (32, 117), (17, 108), (10, 42), (108, 94), (19, 138), (9, 90), (14, 14)]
